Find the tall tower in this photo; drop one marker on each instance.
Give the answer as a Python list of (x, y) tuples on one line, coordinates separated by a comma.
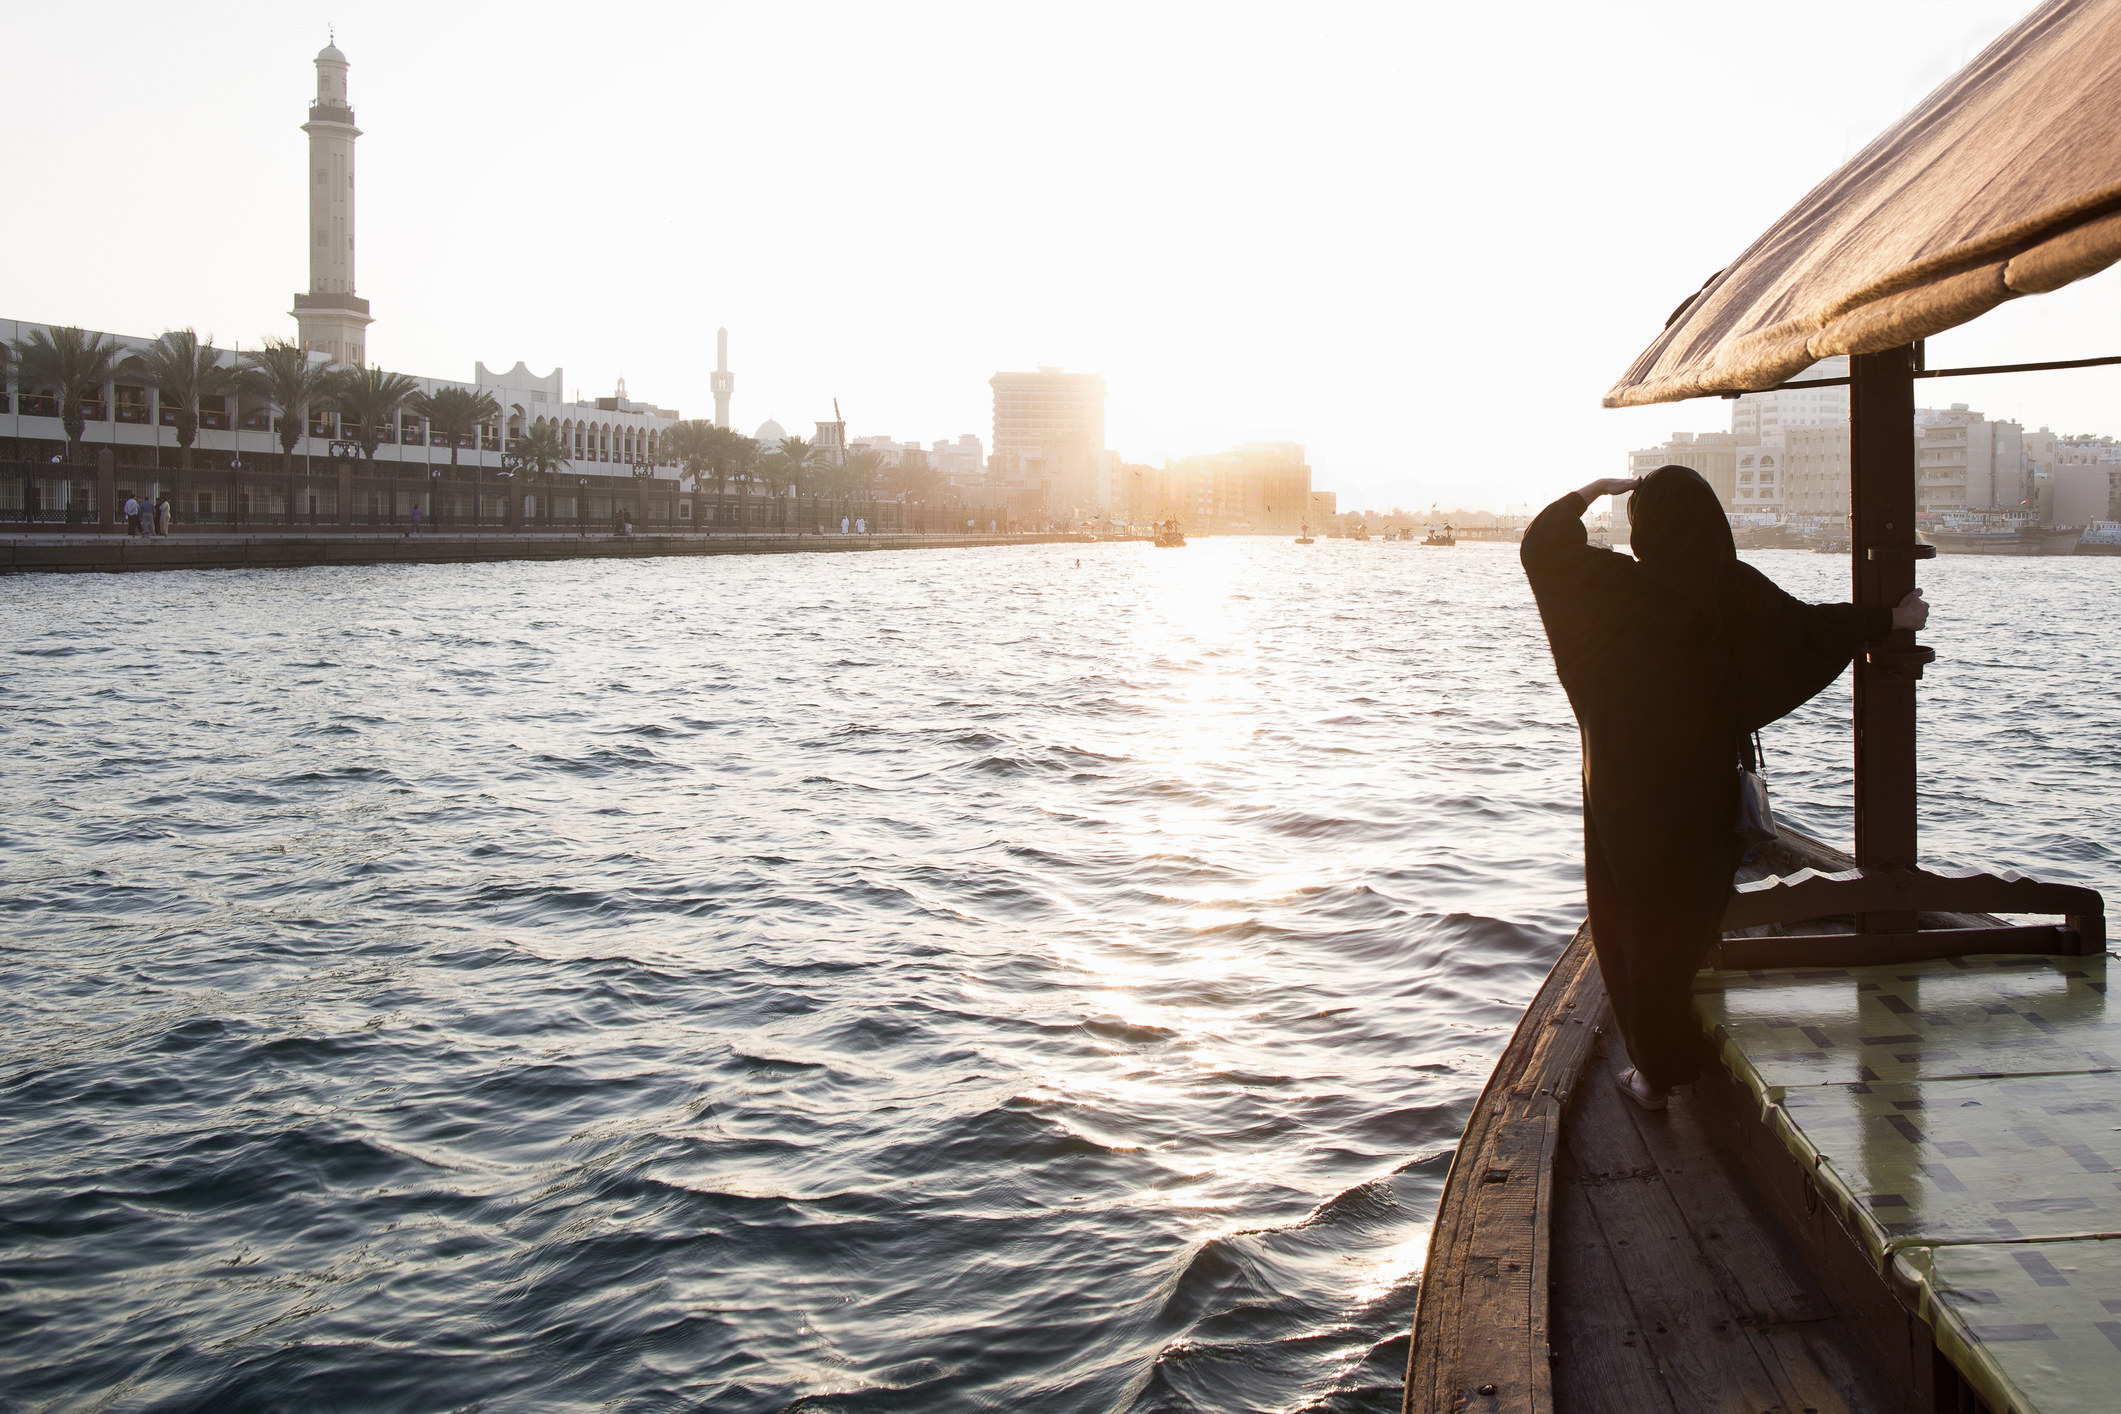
[(724, 380), (333, 320)]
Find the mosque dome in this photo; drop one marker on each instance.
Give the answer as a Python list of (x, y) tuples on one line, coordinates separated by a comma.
[(769, 432), (330, 54)]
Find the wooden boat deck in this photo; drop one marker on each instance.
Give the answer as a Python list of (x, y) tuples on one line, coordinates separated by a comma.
[(1900, 1193)]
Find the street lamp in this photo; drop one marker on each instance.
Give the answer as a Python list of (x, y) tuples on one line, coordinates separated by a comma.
[(641, 472), (511, 466)]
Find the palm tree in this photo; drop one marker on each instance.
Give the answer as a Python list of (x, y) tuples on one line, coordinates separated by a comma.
[(915, 480), (540, 452), (283, 375), (71, 362), (857, 475), (784, 466), (455, 413), (184, 370), (370, 400), (692, 444)]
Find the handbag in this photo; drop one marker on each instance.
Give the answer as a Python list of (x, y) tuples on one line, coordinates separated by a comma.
[(1756, 817)]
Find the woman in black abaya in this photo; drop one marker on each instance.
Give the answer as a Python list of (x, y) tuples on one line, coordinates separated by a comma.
[(1670, 658)]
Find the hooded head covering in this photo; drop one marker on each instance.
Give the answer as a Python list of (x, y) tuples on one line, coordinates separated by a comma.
[(1678, 530), (1678, 525)]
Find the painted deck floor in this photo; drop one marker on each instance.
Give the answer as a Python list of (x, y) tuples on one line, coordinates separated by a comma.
[(1964, 1117)]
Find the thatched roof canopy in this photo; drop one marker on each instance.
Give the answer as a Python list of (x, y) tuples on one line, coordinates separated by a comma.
[(2004, 182)]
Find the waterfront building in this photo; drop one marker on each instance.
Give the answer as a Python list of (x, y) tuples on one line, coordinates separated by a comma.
[(963, 463), (1815, 471), (1713, 454), (1965, 462), (1049, 427), (127, 416), (1757, 487), (1255, 488)]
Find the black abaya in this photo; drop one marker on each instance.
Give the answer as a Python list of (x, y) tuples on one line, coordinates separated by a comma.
[(1667, 666)]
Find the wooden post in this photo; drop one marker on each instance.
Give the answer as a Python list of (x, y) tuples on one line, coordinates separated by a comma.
[(345, 495), (1882, 545), (107, 491)]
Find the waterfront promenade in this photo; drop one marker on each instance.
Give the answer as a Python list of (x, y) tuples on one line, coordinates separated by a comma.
[(93, 553)]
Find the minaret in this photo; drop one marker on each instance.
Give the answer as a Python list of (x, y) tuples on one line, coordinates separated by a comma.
[(724, 381), (333, 320)]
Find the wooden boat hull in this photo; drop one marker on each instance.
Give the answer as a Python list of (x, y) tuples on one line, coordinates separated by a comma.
[(1591, 1258), (2046, 542)]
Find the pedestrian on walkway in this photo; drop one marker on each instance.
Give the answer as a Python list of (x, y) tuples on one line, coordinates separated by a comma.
[(132, 516)]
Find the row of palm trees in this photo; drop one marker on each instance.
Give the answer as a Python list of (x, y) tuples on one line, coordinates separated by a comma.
[(718, 456), (185, 370)]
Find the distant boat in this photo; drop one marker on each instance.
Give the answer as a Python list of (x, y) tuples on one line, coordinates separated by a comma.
[(1769, 537), (2104, 538), (1168, 535), (1974, 538), (1305, 537), (1361, 532), (1441, 535)]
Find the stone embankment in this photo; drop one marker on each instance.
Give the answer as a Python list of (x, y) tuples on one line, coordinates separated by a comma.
[(116, 554)]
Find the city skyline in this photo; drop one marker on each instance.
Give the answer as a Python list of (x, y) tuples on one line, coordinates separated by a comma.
[(1264, 286)]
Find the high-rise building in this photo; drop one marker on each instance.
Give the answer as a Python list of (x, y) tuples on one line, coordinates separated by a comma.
[(1965, 462), (1759, 417), (1049, 427), (724, 382), (331, 318)]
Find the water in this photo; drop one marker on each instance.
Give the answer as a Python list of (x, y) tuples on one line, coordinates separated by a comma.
[(931, 981)]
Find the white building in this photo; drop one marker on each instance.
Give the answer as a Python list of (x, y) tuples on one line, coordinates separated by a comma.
[(1756, 417), (1758, 488), (963, 463), (128, 417)]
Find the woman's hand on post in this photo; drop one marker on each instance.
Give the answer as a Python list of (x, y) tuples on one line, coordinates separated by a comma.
[(1911, 613), (1608, 486)]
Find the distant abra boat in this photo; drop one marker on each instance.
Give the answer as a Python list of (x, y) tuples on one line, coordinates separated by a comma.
[(1440, 535), (1769, 537), (1168, 535), (1304, 538), (2011, 537), (2103, 538)]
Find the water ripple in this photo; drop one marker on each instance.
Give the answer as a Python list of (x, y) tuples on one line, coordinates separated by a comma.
[(918, 982)]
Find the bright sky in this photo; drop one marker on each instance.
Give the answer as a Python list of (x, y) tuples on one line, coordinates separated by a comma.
[(1421, 240)]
